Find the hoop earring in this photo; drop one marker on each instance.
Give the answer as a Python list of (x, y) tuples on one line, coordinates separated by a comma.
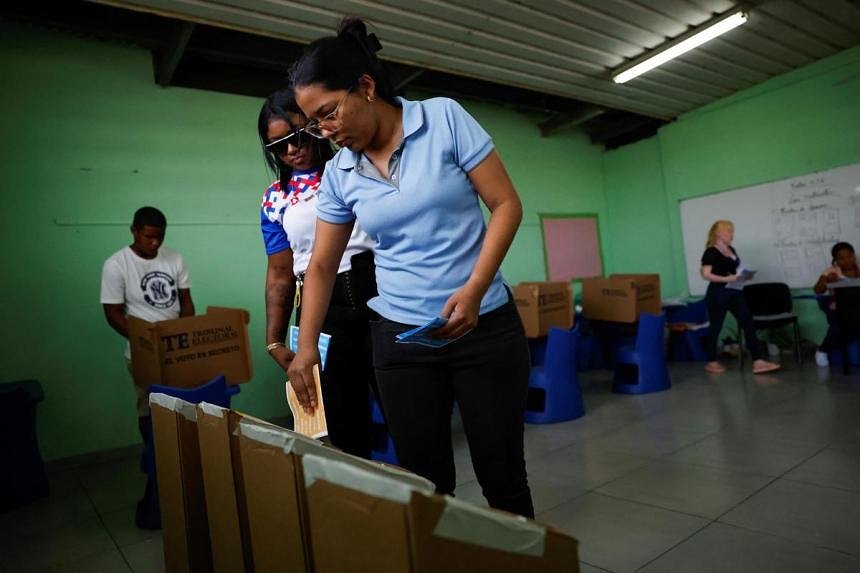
[(370, 99)]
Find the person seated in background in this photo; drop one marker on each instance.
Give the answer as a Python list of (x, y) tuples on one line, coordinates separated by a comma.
[(844, 265)]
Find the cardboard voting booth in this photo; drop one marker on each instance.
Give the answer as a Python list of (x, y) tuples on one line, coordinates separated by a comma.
[(543, 305), (278, 514), (224, 487), (447, 532), (273, 500), (397, 524), (184, 522), (621, 297), (187, 352)]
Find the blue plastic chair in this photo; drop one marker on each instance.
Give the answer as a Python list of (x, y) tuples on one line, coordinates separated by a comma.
[(688, 345), (589, 354), (383, 446), (216, 391), (554, 392), (642, 368)]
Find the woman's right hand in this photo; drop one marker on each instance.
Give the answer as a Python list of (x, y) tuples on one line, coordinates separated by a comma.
[(301, 377)]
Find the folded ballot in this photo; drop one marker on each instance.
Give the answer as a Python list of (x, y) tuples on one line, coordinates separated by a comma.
[(419, 335)]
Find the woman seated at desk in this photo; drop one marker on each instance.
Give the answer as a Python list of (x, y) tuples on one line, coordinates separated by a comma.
[(844, 266)]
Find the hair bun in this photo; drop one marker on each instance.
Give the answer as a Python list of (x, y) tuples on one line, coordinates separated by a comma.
[(354, 29)]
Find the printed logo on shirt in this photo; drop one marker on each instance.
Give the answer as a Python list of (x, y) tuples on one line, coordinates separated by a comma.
[(159, 289)]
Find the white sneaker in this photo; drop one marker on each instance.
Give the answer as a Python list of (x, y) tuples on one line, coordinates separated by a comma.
[(821, 358)]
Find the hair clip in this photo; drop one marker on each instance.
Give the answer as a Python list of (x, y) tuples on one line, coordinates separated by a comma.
[(373, 43)]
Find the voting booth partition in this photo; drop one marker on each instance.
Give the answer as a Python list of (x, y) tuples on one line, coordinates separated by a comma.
[(240, 494)]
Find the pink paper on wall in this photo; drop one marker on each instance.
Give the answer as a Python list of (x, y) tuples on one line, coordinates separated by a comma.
[(572, 248)]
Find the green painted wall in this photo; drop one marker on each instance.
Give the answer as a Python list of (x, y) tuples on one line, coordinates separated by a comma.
[(87, 137), (798, 123)]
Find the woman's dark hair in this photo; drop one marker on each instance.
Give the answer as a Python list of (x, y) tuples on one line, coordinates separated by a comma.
[(336, 62), (842, 246), (277, 106)]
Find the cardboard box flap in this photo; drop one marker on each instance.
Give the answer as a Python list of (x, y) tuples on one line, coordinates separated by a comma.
[(186, 409), (277, 437), (467, 523), (213, 410), (246, 316), (361, 479), (293, 443)]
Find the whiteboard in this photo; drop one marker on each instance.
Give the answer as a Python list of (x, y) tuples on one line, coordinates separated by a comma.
[(783, 229)]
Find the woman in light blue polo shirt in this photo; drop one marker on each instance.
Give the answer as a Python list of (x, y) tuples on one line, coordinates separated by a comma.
[(412, 174)]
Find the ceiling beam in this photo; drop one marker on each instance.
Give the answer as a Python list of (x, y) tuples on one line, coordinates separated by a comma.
[(167, 59), (569, 119), (404, 81)]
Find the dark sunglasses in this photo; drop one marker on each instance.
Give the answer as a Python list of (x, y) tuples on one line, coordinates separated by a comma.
[(297, 138)]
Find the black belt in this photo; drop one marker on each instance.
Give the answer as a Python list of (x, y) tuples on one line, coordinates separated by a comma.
[(352, 288)]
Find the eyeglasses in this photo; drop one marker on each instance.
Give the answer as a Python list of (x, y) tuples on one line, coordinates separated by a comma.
[(280, 146), (331, 122)]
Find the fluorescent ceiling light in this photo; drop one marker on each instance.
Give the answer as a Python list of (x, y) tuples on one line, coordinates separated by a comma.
[(681, 45)]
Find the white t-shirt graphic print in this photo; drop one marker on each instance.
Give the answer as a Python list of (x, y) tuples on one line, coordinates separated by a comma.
[(149, 288)]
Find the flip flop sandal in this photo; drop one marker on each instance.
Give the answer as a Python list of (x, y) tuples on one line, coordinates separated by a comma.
[(765, 369)]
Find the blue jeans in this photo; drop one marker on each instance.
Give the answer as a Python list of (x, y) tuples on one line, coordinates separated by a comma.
[(486, 372)]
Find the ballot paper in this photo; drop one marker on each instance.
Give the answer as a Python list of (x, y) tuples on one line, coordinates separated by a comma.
[(419, 334), (311, 425), (746, 275)]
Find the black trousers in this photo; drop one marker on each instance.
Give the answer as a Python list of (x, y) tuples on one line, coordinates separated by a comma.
[(721, 300), (487, 373), (834, 338), (348, 373)]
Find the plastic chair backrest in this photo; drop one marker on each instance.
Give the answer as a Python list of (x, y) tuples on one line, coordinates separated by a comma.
[(649, 336), (560, 363), (215, 392), (765, 299)]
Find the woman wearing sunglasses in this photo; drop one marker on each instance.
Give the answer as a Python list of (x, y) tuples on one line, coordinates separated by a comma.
[(288, 218), (413, 175)]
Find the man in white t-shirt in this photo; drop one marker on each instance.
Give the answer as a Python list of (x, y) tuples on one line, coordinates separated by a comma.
[(150, 282)]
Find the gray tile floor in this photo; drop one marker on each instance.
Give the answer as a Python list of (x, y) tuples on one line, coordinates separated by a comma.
[(725, 473)]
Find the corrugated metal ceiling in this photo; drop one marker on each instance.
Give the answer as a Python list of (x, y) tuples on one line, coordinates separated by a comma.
[(562, 47)]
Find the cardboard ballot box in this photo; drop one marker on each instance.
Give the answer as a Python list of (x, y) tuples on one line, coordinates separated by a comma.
[(621, 298), (544, 304), (187, 352)]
